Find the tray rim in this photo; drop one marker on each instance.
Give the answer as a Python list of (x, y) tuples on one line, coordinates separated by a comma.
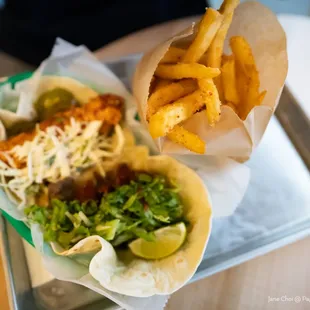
[(7, 268)]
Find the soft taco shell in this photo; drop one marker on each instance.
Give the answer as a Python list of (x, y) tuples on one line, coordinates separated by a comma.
[(123, 273), (29, 93), (80, 91)]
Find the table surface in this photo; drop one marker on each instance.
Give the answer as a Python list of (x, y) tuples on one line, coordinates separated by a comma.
[(269, 282)]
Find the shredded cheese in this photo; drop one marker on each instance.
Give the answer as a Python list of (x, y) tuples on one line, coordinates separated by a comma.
[(55, 154)]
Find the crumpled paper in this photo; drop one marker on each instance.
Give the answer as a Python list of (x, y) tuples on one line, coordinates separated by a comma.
[(225, 179), (230, 137)]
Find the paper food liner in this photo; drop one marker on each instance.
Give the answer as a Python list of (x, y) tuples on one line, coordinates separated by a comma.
[(225, 179), (231, 136)]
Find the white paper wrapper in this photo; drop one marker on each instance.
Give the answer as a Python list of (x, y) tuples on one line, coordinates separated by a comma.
[(225, 179), (231, 136)]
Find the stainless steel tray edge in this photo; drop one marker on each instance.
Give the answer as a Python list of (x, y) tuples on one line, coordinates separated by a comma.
[(15, 264), (6, 267), (208, 268)]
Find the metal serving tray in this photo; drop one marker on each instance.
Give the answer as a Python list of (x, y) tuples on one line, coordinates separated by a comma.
[(274, 212)]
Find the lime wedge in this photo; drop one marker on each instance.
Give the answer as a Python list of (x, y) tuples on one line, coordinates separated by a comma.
[(168, 240)]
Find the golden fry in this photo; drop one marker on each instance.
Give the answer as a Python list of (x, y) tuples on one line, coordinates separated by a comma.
[(214, 53), (172, 114), (211, 100), (183, 71), (227, 57), (218, 80), (252, 93), (188, 139), (247, 76), (228, 6), (169, 94), (160, 83), (242, 81), (207, 29), (242, 53), (228, 75), (203, 60), (173, 55), (215, 50)]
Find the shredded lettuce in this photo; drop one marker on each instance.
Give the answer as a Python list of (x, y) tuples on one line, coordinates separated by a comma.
[(131, 211)]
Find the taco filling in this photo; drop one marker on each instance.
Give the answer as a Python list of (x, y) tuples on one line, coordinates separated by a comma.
[(123, 206), (63, 145)]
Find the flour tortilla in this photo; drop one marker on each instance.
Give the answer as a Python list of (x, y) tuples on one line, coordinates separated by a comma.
[(31, 90), (123, 273), (80, 91)]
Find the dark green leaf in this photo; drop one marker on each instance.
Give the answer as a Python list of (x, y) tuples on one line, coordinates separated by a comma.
[(89, 207)]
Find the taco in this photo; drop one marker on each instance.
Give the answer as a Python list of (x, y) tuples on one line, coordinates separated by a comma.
[(67, 136), (146, 224)]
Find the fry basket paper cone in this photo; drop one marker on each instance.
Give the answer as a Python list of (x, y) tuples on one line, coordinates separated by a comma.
[(230, 137)]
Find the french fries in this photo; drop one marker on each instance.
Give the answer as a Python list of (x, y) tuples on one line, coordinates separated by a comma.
[(216, 49), (169, 93), (229, 83), (229, 6), (207, 29), (242, 82), (172, 114), (183, 71), (199, 76), (211, 100), (188, 139), (173, 55), (214, 54), (227, 57), (242, 53), (248, 79), (252, 92), (160, 84)]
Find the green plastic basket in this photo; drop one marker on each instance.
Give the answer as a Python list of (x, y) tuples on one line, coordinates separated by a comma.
[(19, 226)]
